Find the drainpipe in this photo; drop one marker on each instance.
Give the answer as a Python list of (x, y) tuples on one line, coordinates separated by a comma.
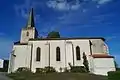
[(90, 47), (31, 57), (73, 54), (65, 55), (49, 54)]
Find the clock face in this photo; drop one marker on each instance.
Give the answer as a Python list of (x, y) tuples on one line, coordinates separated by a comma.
[(27, 34)]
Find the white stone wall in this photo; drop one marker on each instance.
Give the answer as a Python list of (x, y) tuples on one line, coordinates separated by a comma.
[(53, 45), (11, 62), (21, 57), (24, 38), (67, 53), (97, 46), (44, 45), (103, 65), (91, 64), (84, 47), (44, 55), (65, 49)]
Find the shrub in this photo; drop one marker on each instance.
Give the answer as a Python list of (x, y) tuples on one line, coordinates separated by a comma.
[(40, 70), (114, 75), (1, 70), (70, 65), (81, 69), (23, 69), (49, 69), (60, 69), (45, 70), (21, 73), (53, 34), (85, 62), (118, 69)]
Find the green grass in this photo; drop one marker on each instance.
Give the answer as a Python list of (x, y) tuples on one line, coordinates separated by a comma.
[(114, 75), (56, 76)]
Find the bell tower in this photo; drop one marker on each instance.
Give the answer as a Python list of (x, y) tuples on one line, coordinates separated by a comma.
[(29, 32)]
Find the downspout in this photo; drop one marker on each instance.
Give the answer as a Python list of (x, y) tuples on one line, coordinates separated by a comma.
[(73, 55), (65, 55), (49, 54), (31, 57), (90, 47)]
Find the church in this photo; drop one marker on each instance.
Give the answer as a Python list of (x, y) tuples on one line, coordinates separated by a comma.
[(34, 52)]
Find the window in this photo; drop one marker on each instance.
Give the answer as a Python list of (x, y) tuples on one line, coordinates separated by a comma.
[(27, 34), (57, 54), (78, 53), (38, 51)]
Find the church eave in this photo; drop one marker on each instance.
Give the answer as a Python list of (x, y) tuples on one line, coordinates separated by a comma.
[(18, 43), (67, 38), (101, 56)]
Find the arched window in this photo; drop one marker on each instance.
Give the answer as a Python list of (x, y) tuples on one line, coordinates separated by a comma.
[(38, 52), (27, 34), (58, 54), (78, 53)]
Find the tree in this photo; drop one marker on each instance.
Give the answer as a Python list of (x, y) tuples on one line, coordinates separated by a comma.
[(85, 61), (53, 34), (116, 65)]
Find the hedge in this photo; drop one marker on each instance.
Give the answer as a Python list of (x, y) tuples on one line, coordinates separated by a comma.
[(80, 69), (114, 75)]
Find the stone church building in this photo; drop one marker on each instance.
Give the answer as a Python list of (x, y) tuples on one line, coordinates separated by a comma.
[(34, 52)]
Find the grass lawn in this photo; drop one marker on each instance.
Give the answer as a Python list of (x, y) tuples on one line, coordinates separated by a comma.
[(56, 76)]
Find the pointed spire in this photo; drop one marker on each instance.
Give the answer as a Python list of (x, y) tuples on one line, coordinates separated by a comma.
[(31, 19)]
